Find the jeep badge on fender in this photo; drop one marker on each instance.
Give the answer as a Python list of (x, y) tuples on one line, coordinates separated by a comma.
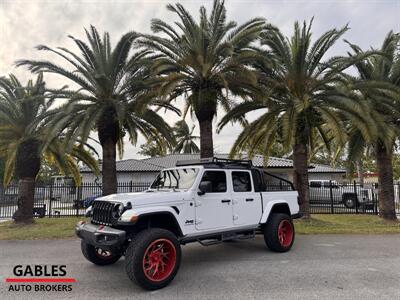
[(232, 200)]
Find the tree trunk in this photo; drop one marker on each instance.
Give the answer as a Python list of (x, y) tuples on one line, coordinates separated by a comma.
[(109, 133), (27, 167), (109, 168), (300, 178), (25, 202), (386, 203), (206, 138)]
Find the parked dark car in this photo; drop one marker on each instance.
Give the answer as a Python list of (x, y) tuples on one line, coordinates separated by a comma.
[(87, 202)]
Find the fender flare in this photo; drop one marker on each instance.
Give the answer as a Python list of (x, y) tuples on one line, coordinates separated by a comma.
[(269, 207), (142, 212)]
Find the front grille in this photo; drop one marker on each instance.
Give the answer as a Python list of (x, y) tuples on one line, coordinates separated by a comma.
[(103, 213)]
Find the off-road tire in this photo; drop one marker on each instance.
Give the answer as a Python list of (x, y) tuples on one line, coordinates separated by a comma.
[(90, 252), (135, 257), (273, 230)]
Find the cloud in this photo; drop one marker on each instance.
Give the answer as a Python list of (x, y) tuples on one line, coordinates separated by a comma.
[(25, 24)]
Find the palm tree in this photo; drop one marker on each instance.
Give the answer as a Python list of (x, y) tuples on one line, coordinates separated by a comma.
[(185, 140), (114, 95), (378, 85), (205, 61), (24, 140), (301, 105), (158, 146)]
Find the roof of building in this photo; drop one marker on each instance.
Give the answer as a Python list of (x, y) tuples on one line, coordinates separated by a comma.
[(325, 169), (155, 164), (131, 165)]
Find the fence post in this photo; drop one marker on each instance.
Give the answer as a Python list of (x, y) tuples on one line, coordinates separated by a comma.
[(375, 210), (50, 202), (398, 190), (397, 203), (50, 206), (78, 199), (130, 186), (355, 192), (331, 196), (2, 199)]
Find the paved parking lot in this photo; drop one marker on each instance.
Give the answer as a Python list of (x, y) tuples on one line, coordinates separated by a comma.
[(318, 267)]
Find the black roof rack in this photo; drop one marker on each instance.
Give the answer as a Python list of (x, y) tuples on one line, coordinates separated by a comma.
[(215, 161)]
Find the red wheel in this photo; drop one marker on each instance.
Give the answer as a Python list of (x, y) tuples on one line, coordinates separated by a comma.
[(285, 233), (152, 258), (159, 260), (279, 232)]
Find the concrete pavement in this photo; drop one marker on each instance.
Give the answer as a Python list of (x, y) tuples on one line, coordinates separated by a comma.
[(317, 267)]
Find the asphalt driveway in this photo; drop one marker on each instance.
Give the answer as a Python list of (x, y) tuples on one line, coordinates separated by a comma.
[(318, 267)]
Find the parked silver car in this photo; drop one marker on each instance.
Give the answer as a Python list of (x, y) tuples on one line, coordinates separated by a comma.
[(350, 195)]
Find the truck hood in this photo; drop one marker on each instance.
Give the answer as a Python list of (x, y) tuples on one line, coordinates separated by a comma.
[(147, 197)]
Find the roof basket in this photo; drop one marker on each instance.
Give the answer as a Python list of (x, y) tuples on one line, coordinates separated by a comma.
[(215, 161)]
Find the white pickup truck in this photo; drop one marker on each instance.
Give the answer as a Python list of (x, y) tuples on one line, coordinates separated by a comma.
[(207, 201), (350, 195)]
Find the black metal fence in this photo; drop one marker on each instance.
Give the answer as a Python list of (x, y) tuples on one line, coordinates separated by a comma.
[(325, 198), (61, 200), (329, 197)]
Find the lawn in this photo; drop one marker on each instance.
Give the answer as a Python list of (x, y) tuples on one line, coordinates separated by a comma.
[(46, 228), (346, 224), (60, 228)]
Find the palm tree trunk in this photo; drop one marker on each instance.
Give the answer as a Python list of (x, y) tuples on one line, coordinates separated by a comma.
[(387, 209), (360, 172), (109, 168), (109, 133), (25, 201), (300, 178), (206, 138), (27, 167)]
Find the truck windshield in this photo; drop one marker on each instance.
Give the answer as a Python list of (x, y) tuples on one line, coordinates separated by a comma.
[(182, 179)]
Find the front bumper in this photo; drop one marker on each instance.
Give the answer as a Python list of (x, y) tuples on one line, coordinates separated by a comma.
[(104, 237)]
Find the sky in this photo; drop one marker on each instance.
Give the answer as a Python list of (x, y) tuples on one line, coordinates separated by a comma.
[(25, 24)]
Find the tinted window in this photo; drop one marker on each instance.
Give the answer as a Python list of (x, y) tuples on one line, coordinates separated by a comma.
[(217, 179), (315, 184), (257, 180), (326, 184), (241, 181)]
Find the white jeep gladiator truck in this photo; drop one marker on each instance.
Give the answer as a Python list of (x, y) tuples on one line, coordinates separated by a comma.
[(207, 201)]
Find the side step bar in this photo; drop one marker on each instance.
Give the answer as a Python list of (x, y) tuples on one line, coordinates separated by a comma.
[(217, 239)]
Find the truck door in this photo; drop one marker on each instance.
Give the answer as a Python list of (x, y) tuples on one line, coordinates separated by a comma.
[(214, 207), (247, 208)]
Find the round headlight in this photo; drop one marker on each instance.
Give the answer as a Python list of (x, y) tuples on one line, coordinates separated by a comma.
[(117, 210)]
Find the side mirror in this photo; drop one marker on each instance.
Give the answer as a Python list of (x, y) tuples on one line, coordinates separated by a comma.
[(204, 187)]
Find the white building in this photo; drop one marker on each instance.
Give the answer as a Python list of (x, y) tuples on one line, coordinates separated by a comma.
[(145, 170)]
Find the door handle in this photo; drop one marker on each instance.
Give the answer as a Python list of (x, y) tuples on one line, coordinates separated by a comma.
[(226, 201), (249, 199)]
